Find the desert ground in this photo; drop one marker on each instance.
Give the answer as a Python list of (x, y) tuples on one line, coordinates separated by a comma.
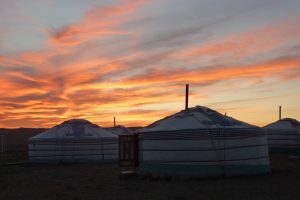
[(101, 181)]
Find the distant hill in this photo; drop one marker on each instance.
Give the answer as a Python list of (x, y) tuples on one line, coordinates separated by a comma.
[(21, 130), (19, 136)]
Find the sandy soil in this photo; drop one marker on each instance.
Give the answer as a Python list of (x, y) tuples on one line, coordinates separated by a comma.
[(103, 182)]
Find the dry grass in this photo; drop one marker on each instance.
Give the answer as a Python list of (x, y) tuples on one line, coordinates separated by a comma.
[(102, 182)]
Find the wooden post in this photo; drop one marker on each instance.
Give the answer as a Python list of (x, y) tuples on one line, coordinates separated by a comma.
[(279, 112), (186, 96), (114, 121)]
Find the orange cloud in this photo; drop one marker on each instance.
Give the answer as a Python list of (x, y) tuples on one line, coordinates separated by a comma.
[(276, 68), (46, 96), (76, 77)]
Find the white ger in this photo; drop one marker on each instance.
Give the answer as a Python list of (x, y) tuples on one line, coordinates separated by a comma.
[(73, 141), (201, 142), (284, 136), (120, 130)]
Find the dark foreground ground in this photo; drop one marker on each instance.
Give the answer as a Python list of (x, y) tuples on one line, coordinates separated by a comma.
[(102, 182)]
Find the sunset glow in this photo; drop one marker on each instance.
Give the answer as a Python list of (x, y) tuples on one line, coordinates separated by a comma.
[(132, 58)]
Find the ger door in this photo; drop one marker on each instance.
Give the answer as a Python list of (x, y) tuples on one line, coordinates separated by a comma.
[(128, 151)]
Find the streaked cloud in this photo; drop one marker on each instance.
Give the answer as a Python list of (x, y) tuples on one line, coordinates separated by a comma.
[(97, 22), (127, 59), (247, 44)]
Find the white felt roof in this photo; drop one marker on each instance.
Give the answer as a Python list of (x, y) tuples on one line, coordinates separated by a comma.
[(75, 128), (287, 123), (198, 117), (120, 130)]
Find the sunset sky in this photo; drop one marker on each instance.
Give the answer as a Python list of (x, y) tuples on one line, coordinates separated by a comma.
[(63, 59)]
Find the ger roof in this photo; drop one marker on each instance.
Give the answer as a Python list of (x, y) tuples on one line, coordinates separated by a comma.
[(75, 128), (198, 117), (120, 130), (286, 123)]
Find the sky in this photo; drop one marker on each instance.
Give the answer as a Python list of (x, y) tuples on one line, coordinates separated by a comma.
[(96, 59)]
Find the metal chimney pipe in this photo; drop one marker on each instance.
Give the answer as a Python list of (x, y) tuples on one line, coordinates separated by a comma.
[(186, 96), (279, 112)]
